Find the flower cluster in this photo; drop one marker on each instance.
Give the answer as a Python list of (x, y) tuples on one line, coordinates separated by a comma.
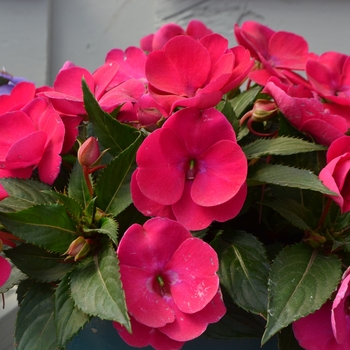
[(183, 187)]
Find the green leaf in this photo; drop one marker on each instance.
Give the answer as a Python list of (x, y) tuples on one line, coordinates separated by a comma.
[(110, 132), (69, 320), (71, 205), (297, 214), (109, 227), (297, 285), (113, 185), (77, 187), (287, 341), (23, 194), (47, 226), (225, 107), (35, 326), (244, 269), (279, 146), (283, 175), (245, 100), (38, 263), (96, 287)]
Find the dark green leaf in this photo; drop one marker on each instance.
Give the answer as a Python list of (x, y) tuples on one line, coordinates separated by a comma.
[(243, 269), (297, 214), (109, 227), (77, 188), (113, 185), (23, 194), (38, 263), (97, 289), (69, 320), (71, 205), (279, 146), (225, 107), (110, 132), (245, 100), (297, 285), (35, 326), (47, 226), (286, 176)]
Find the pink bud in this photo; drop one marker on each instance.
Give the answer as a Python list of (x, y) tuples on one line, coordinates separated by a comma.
[(89, 152), (263, 110)]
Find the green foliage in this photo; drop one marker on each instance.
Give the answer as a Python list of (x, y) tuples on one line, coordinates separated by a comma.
[(48, 226), (96, 288), (287, 176), (35, 320), (38, 263), (111, 133), (69, 319), (296, 285), (113, 185), (244, 269)]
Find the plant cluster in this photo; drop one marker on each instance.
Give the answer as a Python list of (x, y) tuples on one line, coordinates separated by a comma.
[(184, 187)]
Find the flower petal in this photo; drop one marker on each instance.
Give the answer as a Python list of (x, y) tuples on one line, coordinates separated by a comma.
[(192, 275), (143, 302), (190, 326), (222, 171), (161, 159)]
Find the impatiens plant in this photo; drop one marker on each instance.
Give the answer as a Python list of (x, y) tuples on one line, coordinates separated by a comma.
[(183, 189)]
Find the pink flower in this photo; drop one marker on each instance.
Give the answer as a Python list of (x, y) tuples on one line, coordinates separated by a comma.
[(170, 283), (191, 169), (20, 95), (329, 327), (67, 93), (131, 63), (335, 175), (176, 79), (306, 114), (5, 270), (329, 75), (195, 29), (31, 138), (279, 52)]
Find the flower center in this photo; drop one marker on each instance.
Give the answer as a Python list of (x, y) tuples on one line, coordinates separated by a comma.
[(192, 170), (161, 285)]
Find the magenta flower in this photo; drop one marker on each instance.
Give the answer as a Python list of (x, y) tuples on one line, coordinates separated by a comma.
[(5, 270), (67, 93), (306, 114), (170, 283), (329, 75), (20, 95), (195, 29), (176, 79), (335, 175), (279, 52), (31, 138), (191, 169), (329, 327)]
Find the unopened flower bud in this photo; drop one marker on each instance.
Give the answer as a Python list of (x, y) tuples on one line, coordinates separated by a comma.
[(78, 249), (89, 152), (263, 110), (316, 240)]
